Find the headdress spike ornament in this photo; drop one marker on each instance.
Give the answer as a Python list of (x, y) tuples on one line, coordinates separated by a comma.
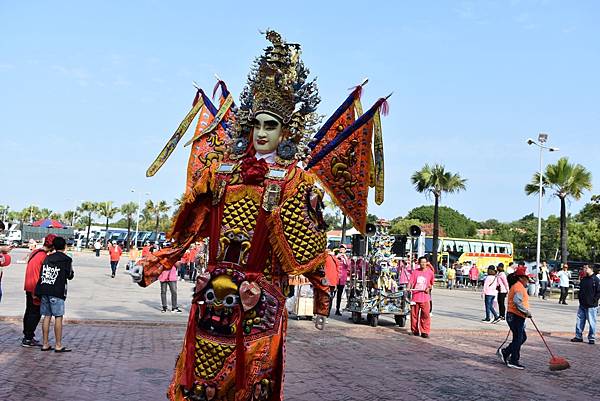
[(278, 85)]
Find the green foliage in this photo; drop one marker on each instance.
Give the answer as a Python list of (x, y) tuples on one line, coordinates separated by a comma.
[(371, 218), (30, 214), (156, 212), (69, 216), (333, 222), (400, 226), (436, 180), (589, 212), (567, 181), (454, 223), (583, 239), (106, 210)]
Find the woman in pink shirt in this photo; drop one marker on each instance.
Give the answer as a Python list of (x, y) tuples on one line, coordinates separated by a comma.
[(421, 282), (503, 290), (489, 293), (343, 277), (404, 272), (168, 279)]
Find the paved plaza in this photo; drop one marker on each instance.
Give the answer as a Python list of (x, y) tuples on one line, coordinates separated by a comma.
[(124, 348)]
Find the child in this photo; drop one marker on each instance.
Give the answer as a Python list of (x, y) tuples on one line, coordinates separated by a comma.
[(52, 289)]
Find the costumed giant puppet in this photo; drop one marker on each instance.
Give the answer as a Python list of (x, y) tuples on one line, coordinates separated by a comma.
[(261, 211)]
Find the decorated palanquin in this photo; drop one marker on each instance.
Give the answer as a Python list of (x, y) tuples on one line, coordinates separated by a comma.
[(261, 209)]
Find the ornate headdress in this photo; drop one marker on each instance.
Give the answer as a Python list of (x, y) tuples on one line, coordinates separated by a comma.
[(277, 84), (346, 153)]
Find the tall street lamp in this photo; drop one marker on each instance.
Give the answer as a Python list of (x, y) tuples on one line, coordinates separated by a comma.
[(137, 220), (542, 139)]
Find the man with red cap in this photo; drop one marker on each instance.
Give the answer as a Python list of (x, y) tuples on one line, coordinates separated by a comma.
[(518, 311), (32, 309)]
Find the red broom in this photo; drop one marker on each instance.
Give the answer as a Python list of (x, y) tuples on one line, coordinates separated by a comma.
[(556, 362)]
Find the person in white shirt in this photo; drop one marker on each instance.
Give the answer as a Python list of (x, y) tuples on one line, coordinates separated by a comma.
[(544, 279), (564, 277), (97, 247)]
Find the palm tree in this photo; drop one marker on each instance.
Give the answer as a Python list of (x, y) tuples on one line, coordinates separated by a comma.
[(156, 210), (566, 180), (45, 213), (89, 208), (129, 210), (177, 202), (69, 216), (435, 180), (106, 210), (55, 216), (31, 213)]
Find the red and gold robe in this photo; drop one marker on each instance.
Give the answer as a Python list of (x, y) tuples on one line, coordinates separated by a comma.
[(264, 223)]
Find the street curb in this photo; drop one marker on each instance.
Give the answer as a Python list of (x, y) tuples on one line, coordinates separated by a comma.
[(106, 322)]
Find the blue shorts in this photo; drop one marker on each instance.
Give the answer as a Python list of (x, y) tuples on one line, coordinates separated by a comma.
[(52, 306)]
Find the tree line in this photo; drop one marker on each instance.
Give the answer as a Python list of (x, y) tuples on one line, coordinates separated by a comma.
[(152, 217), (568, 237)]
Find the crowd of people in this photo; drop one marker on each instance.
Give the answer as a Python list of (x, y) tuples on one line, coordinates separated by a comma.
[(505, 293)]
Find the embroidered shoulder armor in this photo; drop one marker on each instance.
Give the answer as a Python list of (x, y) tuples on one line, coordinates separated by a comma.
[(299, 235)]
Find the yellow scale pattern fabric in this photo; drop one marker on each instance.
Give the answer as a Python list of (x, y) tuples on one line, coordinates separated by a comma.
[(210, 357), (241, 213), (305, 242)]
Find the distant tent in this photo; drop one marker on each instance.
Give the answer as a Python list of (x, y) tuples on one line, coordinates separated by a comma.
[(48, 223)]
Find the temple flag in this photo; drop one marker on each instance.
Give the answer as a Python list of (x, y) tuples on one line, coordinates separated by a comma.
[(342, 166)]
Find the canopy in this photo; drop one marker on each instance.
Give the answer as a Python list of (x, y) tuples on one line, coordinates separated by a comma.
[(48, 223)]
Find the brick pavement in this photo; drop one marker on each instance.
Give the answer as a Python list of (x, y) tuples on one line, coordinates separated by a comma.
[(134, 361), (125, 349)]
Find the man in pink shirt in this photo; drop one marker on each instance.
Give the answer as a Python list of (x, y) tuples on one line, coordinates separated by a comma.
[(474, 276), (421, 282)]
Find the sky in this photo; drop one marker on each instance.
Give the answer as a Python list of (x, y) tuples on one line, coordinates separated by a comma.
[(91, 91)]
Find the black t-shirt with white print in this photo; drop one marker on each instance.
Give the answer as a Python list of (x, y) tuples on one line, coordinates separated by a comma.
[(56, 270)]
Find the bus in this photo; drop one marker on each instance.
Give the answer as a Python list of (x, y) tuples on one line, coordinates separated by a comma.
[(481, 252)]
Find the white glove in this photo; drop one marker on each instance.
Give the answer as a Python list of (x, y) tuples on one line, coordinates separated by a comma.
[(137, 273)]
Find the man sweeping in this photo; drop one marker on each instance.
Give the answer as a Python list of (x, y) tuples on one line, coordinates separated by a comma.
[(518, 311)]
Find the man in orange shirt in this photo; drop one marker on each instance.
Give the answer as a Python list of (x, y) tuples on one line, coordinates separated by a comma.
[(192, 262), (32, 315), (146, 250), (115, 253), (518, 311)]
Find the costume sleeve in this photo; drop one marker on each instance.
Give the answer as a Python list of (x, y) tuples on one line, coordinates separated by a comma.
[(190, 224)]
